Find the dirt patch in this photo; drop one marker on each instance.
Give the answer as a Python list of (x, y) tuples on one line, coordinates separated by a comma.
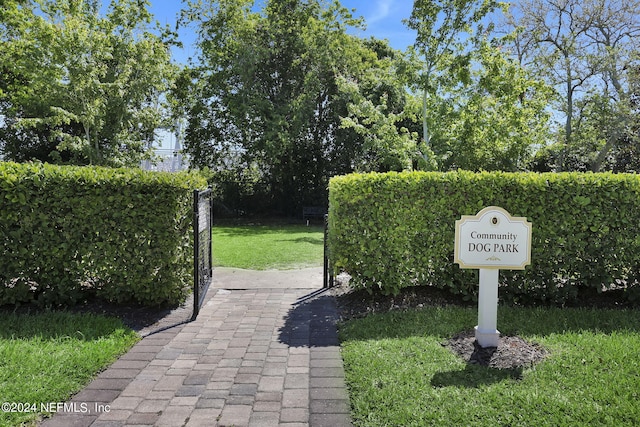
[(359, 303), (354, 303), (511, 352), (143, 320)]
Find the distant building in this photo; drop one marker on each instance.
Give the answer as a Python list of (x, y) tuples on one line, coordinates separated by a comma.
[(168, 153)]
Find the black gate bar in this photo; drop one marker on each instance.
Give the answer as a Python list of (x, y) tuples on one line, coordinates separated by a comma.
[(327, 276), (202, 250)]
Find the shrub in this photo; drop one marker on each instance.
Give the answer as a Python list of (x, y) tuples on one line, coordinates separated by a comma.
[(68, 232), (397, 229)]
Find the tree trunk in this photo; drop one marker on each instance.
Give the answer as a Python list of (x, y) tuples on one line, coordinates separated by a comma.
[(568, 125)]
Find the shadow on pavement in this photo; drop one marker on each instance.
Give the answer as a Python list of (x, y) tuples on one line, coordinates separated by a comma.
[(311, 322)]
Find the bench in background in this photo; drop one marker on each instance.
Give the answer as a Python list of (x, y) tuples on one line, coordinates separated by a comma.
[(313, 212)]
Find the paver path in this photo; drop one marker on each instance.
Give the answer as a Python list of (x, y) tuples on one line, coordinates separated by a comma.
[(257, 355)]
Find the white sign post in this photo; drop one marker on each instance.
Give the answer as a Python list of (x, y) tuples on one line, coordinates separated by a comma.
[(491, 240)]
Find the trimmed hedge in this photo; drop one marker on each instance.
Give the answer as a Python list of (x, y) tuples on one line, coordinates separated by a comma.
[(396, 230), (71, 232)]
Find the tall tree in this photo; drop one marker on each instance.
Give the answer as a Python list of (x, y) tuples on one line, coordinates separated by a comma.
[(266, 92), (380, 113), (88, 87), (616, 33), (584, 49), (444, 28), (495, 120)]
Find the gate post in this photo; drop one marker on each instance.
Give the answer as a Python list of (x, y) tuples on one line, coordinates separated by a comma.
[(196, 250), (327, 276)]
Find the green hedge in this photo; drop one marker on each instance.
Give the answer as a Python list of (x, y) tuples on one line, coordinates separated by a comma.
[(71, 232), (396, 230)]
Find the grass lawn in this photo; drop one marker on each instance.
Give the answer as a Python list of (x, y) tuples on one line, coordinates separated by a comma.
[(266, 247), (47, 357), (400, 374)]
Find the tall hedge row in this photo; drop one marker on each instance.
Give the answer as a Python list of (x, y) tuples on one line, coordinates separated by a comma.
[(70, 232), (396, 230)]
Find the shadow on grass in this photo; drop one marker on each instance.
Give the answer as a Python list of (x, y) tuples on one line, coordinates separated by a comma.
[(58, 325), (266, 230), (310, 240), (548, 321), (446, 321), (474, 376)]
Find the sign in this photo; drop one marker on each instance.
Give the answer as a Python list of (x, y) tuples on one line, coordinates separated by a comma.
[(493, 239)]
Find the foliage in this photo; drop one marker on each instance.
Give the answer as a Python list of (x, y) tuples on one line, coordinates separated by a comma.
[(271, 88), (481, 110), (444, 30), (379, 111), (48, 357), (81, 88), (399, 373), (586, 50), (71, 232), (495, 120), (395, 230), (238, 191)]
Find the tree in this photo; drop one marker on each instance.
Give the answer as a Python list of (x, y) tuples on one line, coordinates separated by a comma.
[(378, 111), (268, 94), (23, 68), (87, 87), (584, 49), (444, 28), (481, 110), (495, 120), (616, 28)]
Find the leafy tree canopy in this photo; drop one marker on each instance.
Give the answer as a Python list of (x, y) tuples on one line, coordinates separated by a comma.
[(80, 87), (272, 87), (588, 51)]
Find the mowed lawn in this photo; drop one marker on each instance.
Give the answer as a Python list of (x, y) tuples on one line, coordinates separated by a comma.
[(267, 247), (47, 357), (399, 373)]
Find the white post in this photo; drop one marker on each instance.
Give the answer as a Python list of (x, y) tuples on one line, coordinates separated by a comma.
[(486, 333)]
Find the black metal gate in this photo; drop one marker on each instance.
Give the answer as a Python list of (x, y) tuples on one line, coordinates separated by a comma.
[(202, 250), (327, 276)]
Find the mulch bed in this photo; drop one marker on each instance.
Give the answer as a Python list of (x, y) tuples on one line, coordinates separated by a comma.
[(511, 352)]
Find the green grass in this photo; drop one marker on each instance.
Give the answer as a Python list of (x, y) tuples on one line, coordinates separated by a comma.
[(399, 373), (47, 357), (266, 247)]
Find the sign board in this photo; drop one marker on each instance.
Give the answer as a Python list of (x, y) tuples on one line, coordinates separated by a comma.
[(492, 239)]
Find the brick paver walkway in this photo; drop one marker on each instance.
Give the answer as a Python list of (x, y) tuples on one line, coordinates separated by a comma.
[(254, 357)]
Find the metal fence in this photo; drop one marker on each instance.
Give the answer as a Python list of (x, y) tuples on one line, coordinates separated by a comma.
[(202, 251), (166, 160)]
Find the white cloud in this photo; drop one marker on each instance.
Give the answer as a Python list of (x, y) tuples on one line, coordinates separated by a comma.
[(382, 10)]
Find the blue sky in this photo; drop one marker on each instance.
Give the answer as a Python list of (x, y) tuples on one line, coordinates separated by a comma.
[(383, 20)]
